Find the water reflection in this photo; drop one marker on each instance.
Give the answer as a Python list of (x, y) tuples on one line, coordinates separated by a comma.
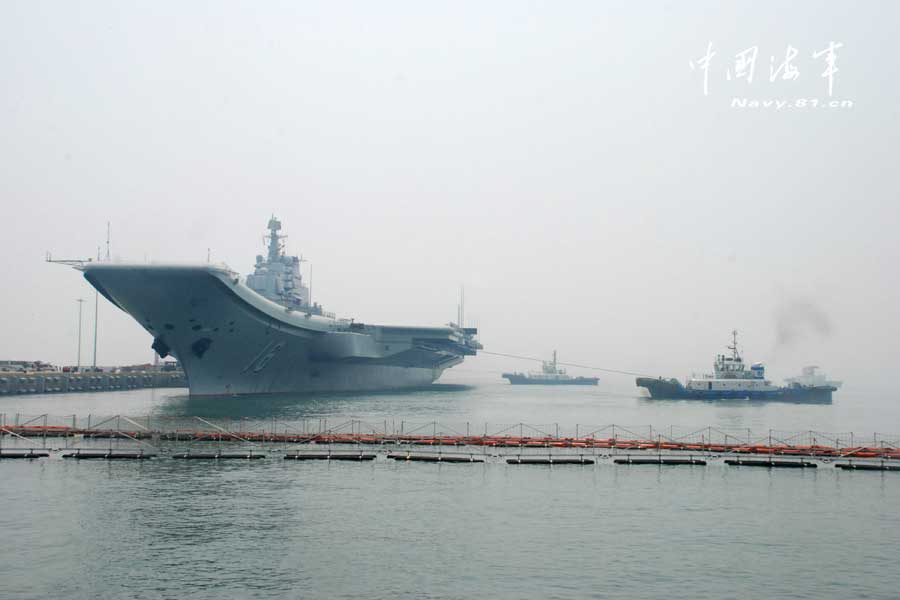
[(734, 402), (300, 405)]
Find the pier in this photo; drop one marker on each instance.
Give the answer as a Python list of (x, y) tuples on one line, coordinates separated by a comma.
[(57, 382)]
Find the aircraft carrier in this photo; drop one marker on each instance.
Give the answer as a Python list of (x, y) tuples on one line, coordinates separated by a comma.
[(262, 334)]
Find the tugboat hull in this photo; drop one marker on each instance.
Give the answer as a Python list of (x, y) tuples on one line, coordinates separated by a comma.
[(520, 379), (671, 389)]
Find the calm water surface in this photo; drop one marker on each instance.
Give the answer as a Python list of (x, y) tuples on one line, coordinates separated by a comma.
[(271, 529), (477, 399)]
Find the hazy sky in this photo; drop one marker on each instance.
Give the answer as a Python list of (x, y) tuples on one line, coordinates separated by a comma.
[(558, 158)]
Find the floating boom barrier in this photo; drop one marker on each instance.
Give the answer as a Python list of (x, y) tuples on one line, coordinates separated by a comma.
[(660, 460), (29, 453), (867, 467), (771, 464), (489, 441), (218, 456), (356, 440), (447, 458), (108, 455), (550, 460), (336, 456)]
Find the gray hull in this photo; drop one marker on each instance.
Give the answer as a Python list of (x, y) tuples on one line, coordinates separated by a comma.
[(671, 389), (520, 379), (230, 340)]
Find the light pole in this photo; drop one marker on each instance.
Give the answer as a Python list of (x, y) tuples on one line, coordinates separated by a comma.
[(80, 304), (96, 307), (97, 299)]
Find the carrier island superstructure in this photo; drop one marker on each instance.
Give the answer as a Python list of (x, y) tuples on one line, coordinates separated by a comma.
[(263, 335)]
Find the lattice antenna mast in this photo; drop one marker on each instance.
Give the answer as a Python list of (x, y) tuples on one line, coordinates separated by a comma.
[(734, 345), (276, 248)]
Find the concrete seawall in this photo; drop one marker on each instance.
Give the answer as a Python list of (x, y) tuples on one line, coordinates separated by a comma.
[(61, 383)]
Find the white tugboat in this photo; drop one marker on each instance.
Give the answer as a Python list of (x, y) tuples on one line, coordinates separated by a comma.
[(550, 374), (809, 378), (731, 379)]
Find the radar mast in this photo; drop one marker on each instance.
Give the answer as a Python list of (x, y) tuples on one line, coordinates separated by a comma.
[(276, 249), (734, 346)]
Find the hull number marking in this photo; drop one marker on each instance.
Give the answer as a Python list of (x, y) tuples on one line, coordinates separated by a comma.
[(265, 356)]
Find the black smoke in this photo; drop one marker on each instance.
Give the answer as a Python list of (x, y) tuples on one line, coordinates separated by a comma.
[(799, 319)]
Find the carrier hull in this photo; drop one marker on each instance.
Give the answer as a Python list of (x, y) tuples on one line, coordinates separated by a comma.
[(230, 340)]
